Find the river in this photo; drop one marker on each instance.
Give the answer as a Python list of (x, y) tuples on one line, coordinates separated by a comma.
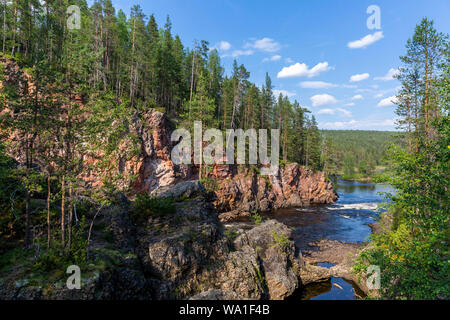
[(346, 220)]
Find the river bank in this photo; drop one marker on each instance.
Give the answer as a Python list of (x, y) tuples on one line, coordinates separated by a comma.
[(331, 236)]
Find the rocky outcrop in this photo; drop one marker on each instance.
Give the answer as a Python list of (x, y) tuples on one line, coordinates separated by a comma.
[(14, 77), (190, 252), (184, 254), (343, 256), (154, 167), (239, 189), (248, 191), (280, 262)]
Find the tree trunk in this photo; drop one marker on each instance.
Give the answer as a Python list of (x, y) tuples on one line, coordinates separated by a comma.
[(63, 234), (48, 211), (70, 215), (4, 25)]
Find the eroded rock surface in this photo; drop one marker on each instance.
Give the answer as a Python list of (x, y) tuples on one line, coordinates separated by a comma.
[(179, 255), (343, 255), (248, 191)]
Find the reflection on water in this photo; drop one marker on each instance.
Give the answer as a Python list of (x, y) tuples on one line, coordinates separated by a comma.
[(334, 289), (347, 220)]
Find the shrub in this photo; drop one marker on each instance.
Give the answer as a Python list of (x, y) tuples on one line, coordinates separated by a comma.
[(256, 218), (145, 206), (282, 240), (231, 235), (58, 258)]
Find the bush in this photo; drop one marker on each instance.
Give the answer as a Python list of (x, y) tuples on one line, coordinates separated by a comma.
[(256, 218), (231, 235), (145, 206), (210, 184), (282, 240), (58, 258)]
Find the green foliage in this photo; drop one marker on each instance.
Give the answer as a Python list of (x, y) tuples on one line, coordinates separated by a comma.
[(358, 154), (59, 258), (145, 206), (260, 277), (413, 255), (256, 218), (14, 257), (210, 184), (231, 235), (11, 199), (281, 240)]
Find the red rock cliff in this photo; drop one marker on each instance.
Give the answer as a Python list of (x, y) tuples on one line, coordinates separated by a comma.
[(238, 189)]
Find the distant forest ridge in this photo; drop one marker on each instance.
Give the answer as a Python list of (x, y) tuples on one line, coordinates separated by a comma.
[(357, 154)]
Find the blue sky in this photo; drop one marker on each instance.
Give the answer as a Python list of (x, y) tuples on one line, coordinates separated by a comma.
[(309, 48)]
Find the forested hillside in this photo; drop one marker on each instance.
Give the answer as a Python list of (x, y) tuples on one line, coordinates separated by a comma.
[(357, 154), (412, 251), (72, 92), (135, 63), (70, 99)]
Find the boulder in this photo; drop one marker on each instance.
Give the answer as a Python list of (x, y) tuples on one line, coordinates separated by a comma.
[(280, 262)]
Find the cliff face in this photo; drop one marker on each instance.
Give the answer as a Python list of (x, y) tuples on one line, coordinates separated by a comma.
[(238, 189), (294, 185)]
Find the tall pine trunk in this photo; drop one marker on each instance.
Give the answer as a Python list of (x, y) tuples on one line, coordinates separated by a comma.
[(70, 215), (48, 211), (63, 230)]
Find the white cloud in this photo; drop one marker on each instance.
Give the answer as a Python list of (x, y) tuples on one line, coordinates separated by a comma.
[(325, 111), (224, 45), (366, 41), (288, 60), (264, 44), (237, 53), (302, 70), (359, 124), (333, 111), (316, 84), (357, 97), (387, 102), (285, 93), (351, 86), (322, 100), (359, 77), (389, 75), (345, 112), (272, 58), (351, 104)]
